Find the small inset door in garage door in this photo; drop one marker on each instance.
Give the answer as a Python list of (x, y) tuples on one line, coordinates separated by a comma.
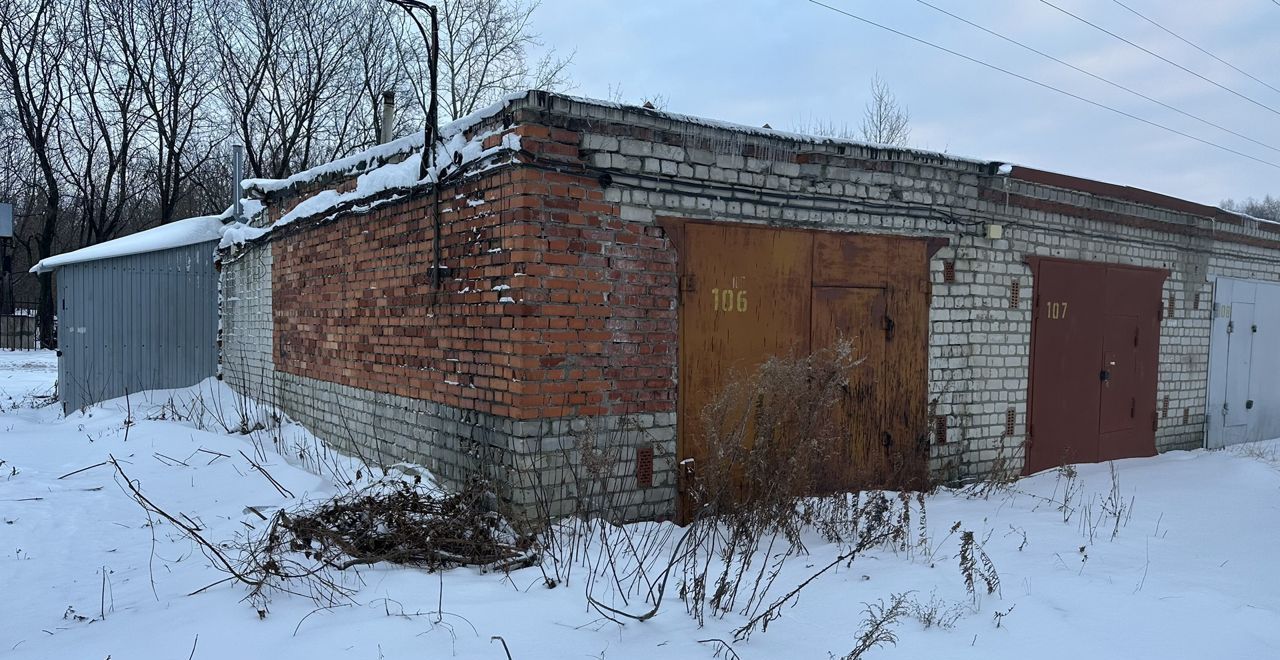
[(1094, 357), (1235, 418), (855, 315)]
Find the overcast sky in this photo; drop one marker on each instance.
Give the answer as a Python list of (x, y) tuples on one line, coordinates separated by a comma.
[(784, 61)]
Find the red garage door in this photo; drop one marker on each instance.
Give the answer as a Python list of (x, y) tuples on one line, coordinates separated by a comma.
[(1095, 351)]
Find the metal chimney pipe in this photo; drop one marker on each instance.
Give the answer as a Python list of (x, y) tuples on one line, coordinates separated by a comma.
[(237, 174), (388, 116)]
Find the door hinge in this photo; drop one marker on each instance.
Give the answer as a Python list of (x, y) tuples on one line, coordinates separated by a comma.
[(888, 328), (1155, 421), (1133, 407), (1231, 327), (689, 283)]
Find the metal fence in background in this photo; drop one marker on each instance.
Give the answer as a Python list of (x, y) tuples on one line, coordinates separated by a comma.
[(18, 331)]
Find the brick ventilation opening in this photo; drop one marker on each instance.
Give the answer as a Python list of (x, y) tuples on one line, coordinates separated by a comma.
[(1186, 416), (644, 466), (948, 272), (940, 429), (1015, 294), (1010, 422), (1172, 302), (1195, 304), (1164, 406)]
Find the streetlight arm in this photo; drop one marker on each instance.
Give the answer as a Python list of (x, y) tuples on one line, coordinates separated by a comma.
[(432, 42)]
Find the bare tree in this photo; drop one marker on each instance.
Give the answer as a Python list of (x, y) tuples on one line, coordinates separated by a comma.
[(885, 121), (651, 101), (1267, 208), (34, 38), (484, 54), (824, 128), (302, 81), (117, 115), (97, 148), (167, 50), (283, 65)]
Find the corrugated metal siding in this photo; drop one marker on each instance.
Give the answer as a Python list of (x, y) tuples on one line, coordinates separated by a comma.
[(136, 323)]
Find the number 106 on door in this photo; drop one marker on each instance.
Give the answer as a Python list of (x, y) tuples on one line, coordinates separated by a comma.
[(729, 300)]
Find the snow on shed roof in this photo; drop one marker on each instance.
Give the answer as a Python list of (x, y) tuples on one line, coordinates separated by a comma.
[(179, 233)]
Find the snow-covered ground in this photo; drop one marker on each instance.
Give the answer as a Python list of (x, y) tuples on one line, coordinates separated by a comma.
[(1191, 573), (25, 373)]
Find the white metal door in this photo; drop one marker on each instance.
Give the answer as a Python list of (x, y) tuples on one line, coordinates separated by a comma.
[(1244, 363)]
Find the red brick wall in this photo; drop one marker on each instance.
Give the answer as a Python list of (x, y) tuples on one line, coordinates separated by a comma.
[(591, 329)]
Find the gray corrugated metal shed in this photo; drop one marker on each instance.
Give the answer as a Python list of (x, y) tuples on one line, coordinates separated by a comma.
[(138, 315)]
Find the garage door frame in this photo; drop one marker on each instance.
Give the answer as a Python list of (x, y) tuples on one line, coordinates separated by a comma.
[(676, 231), (1146, 311)]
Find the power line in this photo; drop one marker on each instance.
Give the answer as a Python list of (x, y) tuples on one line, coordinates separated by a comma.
[(1162, 58), (1044, 85), (1180, 38), (1097, 77)]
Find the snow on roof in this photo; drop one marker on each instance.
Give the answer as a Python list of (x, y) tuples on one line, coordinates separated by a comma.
[(380, 171), (376, 157), (771, 132), (179, 233), (1251, 218), (379, 175)]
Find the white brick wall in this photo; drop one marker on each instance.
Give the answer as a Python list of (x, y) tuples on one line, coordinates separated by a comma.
[(246, 329), (979, 350)]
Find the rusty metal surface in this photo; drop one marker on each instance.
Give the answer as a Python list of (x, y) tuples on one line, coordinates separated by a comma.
[(739, 304), (1117, 403), (855, 315), (1132, 340), (1065, 367), (1094, 358), (855, 259), (801, 291)]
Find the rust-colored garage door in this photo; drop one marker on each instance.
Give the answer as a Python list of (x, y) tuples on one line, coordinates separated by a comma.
[(748, 293), (1095, 350)]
